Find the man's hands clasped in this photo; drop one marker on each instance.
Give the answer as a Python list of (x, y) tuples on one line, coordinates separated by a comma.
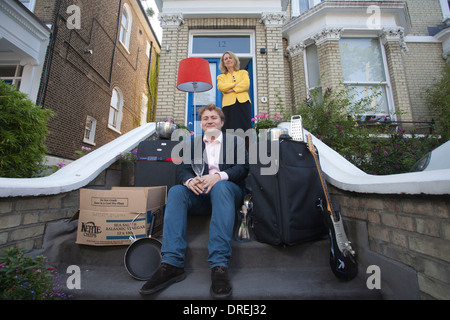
[(203, 184)]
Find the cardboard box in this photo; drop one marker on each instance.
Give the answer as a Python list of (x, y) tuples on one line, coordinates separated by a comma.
[(111, 217)]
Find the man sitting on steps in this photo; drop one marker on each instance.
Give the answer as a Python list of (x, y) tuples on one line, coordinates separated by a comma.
[(218, 192)]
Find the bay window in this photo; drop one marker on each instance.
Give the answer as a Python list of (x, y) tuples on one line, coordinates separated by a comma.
[(363, 68)]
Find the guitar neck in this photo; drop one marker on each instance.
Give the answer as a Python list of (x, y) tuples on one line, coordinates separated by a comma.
[(312, 149)]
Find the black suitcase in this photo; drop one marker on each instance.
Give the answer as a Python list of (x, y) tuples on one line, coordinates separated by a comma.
[(284, 204), (154, 165)]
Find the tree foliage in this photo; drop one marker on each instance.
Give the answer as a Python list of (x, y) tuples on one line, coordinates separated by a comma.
[(23, 129)]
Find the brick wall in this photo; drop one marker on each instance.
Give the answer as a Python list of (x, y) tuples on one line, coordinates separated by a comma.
[(296, 66), (411, 229), (424, 15), (81, 84), (330, 63), (168, 70), (423, 66), (400, 90), (45, 10), (270, 82), (23, 219)]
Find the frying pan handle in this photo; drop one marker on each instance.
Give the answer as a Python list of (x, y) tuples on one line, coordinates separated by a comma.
[(152, 224)]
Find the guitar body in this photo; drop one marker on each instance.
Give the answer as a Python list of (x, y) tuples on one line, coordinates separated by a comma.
[(342, 256), (342, 261)]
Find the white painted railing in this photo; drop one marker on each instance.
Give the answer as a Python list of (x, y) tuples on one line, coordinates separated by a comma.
[(338, 171), (78, 173), (345, 176)]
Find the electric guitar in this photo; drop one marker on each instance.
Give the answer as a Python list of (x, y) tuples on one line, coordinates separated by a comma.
[(342, 256)]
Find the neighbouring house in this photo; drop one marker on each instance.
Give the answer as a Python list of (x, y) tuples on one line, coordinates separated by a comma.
[(288, 46), (93, 68), (24, 39)]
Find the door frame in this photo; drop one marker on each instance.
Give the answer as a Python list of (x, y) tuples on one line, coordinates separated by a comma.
[(213, 57), (192, 116)]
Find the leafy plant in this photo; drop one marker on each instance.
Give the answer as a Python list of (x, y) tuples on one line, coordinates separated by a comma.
[(23, 129), (378, 149), (398, 152), (438, 99), (84, 151), (130, 156), (28, 278), (330, 117), (152, 84)]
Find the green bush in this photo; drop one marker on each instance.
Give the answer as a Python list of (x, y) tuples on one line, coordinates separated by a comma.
[(23, 129), (28, 278), (329, 116), (438, 99), (398, 152)]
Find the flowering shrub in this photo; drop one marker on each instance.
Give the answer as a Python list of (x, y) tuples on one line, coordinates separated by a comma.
[(398, 152), (27, 278), (130, 156), (377, 149), (84, 150), (264, 121)]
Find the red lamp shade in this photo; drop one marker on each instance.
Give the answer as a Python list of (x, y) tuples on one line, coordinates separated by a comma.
[(194, 75)]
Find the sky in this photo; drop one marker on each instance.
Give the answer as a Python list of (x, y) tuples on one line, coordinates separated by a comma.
[(154, 20)]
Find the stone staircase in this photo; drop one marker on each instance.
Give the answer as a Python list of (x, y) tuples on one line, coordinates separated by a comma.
[(257, 271)]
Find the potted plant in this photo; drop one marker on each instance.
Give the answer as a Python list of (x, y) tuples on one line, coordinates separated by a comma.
[(269, 125), (127, 166)]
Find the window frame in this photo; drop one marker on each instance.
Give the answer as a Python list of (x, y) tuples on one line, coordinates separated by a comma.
[(125, 30), (222, 32), (296, 7), (30, 4), (386, 84), (306, 68), (91, 126), (144, 109), (16, 80), (116, 111)]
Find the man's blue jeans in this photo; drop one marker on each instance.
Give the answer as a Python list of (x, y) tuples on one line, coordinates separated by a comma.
[(221, 203)]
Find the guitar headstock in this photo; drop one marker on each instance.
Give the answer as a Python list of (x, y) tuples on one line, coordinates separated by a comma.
[(311, 146)]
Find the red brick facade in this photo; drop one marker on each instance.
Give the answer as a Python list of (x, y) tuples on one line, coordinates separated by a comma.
[(80, 83)]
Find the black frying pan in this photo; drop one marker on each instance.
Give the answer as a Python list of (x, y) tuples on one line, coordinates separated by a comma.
[(143, 256)]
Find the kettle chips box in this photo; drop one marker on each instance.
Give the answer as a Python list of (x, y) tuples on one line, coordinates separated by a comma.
[(114, 217)]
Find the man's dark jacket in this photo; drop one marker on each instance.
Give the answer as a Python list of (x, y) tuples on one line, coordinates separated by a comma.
[(233, 159)]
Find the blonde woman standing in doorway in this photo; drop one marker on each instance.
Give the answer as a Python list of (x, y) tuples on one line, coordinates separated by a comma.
[(234, 85)]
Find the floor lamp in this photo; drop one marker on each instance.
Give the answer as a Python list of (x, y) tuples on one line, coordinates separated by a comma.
[(194, 76)]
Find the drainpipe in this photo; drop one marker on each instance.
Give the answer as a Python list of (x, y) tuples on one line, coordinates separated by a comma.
[(115, 42), (148, 81), (48, 62)]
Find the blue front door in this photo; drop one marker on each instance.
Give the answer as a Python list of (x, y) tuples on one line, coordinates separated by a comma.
[(212, 96), (204, 98)]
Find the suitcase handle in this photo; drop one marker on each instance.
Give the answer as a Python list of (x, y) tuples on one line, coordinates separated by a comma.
[(168, 159)]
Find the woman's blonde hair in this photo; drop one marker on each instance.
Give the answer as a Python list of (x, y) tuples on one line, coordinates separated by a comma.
[(237, 64)]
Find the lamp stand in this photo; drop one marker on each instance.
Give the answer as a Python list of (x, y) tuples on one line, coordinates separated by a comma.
[(195, 85)]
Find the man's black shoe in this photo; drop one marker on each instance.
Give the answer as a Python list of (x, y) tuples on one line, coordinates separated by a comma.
[(162, 278), (220, 283)]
